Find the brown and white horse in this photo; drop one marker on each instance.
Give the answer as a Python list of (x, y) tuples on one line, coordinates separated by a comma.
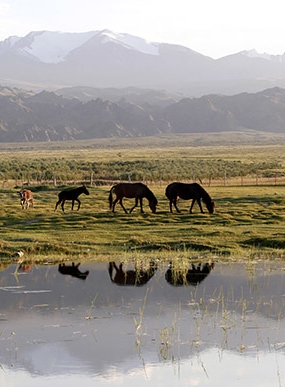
[(26, 198)]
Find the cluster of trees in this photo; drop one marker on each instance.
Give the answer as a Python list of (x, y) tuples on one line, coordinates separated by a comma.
[(62, 169)]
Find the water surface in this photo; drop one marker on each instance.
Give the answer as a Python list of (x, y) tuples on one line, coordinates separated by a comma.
[(225, 326)]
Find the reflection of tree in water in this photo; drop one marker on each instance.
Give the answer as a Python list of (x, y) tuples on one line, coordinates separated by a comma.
[(193, 276), (72, 270), (136, 277)]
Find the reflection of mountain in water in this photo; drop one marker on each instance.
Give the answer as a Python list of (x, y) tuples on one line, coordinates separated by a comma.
[(60, 322)]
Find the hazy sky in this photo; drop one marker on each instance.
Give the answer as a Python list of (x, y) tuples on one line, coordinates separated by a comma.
[(214, 28)]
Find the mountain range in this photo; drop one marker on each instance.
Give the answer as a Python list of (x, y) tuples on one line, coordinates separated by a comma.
[(100, 84), (27, 116), (45, 60)]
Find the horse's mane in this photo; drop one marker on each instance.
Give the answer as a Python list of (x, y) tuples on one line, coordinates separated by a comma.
[(207, 200), (204, 195), (150, 194)]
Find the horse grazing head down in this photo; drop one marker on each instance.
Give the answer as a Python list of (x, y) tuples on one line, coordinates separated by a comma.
[(153, 204), (138, 191), (210, 204)]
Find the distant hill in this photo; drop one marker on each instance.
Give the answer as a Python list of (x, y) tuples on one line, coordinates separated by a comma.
[(26, 116), (45, 60)]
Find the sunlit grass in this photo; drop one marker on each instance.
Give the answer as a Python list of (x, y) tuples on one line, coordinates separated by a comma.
[(249, 221)]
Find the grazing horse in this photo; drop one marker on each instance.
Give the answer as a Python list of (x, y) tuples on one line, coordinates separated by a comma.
[(132, 190), (71, 194), (193, 276), (189, 191), (72, 270), (26, 198), (137, 277)]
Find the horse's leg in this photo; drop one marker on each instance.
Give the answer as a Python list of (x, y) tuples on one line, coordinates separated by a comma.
[(62, 205), (121, 203), (175, 204), (191, 207), (200, 205), (57, 204), (136, 203), (114, 204), (72, 205), (79, 203), (110, 270), (141, 205)]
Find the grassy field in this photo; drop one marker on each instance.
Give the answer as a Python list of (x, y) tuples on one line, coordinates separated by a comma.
[(248, 222)]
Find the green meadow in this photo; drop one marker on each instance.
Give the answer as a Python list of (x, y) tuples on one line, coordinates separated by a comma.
[(245, 180)]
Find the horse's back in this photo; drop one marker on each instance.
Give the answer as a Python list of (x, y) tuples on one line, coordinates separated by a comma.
[(129, 190), (181, 189), (26, 194), (70, 193), (172, 190)]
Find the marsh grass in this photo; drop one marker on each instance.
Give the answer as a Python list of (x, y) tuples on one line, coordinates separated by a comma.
[(226, 318)]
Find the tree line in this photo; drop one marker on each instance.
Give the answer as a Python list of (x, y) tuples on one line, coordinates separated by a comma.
[(206, 170)]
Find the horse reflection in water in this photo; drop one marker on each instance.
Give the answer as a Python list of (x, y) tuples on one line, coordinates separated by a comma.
[(72, 270), (193, 276), (136, 277)]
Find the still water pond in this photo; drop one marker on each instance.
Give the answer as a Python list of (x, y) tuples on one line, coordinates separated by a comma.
[(224, 326)]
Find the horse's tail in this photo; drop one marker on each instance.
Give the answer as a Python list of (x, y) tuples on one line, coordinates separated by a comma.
[(110, 270), (111, 197), (171, 190), (167, 193)]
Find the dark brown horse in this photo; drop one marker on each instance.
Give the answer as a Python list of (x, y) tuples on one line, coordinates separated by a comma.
[(132, 190), (189, 191), (26, 198), (71, 194), (193, 276), (137, 277)]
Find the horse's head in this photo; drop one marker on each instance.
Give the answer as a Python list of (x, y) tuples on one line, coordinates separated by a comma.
[(85, 190), (152, 205), (210, 206)]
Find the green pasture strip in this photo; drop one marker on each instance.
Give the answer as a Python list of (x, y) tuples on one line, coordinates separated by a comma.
[(248, 223), (150, 159)]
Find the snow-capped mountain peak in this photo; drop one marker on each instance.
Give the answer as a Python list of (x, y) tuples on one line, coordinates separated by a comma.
[(53, 47), (131, 42), (255, 54)]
